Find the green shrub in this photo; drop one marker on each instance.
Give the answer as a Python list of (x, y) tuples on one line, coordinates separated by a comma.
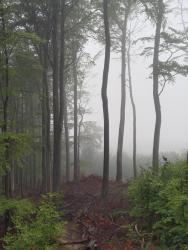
[(16, 206), (13, 146), (55, 199), (161, 202), (36, 228)]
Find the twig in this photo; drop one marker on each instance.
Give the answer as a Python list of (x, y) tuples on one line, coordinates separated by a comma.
[(72, 242)]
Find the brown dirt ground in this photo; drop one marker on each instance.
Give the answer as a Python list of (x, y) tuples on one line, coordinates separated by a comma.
[(94, 223), (99, 224)]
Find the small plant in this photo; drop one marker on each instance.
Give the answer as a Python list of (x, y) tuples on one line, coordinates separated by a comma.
[(55, 199), (36, 228)]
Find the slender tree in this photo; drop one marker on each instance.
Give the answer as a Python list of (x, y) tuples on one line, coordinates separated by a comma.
[(67, 143), (5, 101), (159, 20), (58, 87), (119, 173), (156, 10), (105, 100), (133, 106), (75, 79), (120, 12)]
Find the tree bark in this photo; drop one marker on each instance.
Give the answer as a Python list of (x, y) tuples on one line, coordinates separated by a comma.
[(156, 98), (48, 141), (56, 145), (119, 174), (58, 89), (44, 130), (8, 191), (67, 144), (79, 142), (46, 145), (74, 56), (105, 100), (7, 177), (133, 109)]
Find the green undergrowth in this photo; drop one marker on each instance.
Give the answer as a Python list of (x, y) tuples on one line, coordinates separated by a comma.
[(160, 205), (33, 226)]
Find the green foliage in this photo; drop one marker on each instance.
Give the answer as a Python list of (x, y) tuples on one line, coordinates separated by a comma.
[(15, 206), (161, 202), (54, 199), (13, 147), (34, 227)]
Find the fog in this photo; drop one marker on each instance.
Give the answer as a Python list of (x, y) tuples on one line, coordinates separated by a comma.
[(174, 132)]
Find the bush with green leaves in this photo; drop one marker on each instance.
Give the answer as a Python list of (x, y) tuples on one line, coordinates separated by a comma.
[(160, 202), (15, 147), (33, 227)]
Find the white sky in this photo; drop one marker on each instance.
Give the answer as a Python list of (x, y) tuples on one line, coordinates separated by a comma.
[(174, 103)]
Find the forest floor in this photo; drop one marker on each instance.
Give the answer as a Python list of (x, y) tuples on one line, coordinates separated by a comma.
[(93, 223)]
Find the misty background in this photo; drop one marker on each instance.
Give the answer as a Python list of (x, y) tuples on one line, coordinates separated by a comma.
[(174, 132)]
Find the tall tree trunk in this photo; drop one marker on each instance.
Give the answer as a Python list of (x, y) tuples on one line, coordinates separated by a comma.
[(156, 88), (46, 146), (79, 138), (74, 56), (22, 170), (105, 100), (7, 178), (56, 100), (119, 174), (48, 141), (8, 191), (61, 79), (67, 144), (133, 108), (44, 153), (21, 182)]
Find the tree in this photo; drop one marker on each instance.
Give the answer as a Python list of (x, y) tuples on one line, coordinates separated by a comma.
[(133, 106), (122, 21), (77, 28), (90, 147), (171, 46), (58, 88), (5, 100), (67, 144), (123, 98), (105, 100), (119, 15), (159, 19), (156, 11), (12, 41), (75, 79)]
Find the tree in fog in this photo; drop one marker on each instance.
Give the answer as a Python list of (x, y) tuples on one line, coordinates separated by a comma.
[(38, 21), (119, 13), (123, 22), (14, 55), (90, 148), (6, 48), (159, 15), (105, 99), (168, 62), (156, 11), (58, 87), (132, 104)]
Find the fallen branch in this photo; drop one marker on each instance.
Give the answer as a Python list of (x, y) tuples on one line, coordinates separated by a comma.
[(78, 242), (142, 236)]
